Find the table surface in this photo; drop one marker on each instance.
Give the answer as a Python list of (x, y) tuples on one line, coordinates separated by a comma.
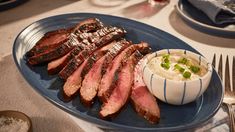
[(14, 20)]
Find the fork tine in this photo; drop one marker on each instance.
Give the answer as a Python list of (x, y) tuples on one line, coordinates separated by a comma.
[(233, 73), (227, 77), (220, 68), (213, 61)]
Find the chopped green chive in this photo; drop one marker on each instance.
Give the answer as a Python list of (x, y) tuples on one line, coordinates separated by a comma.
[(165, 65), (166, 56), (178, 67), (166, 62), (187, 74), (183, 61), (194, 69)]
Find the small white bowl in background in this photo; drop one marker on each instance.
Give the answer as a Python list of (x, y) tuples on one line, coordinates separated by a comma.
[(172, 91)]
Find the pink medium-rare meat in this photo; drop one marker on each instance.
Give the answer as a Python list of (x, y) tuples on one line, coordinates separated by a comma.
[(91, 82), (108, 78), (96, 56), (55, 66), (64, 48), (49, 41), (73, 83), (74, 63), (85, 39), (92, 79), (122, 87), (142, 100)]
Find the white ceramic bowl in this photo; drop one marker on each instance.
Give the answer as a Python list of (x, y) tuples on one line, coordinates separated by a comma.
[(172, 91)]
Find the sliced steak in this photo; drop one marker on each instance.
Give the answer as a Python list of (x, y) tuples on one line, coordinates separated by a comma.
[(122, 87), (85, 39), (92, 79), (64, 48), (73, 83), (142, 100), (88, 25), (78, 59), (50, 40), (55, 53), (108, 78), (55, 66)]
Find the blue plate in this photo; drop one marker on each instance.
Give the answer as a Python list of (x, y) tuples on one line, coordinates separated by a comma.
[(201, 21), (172, 117)]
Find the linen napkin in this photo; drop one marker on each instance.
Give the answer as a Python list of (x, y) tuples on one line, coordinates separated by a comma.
[(219, 11), (16, 94)]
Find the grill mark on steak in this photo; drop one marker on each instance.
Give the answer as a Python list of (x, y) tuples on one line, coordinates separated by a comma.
[(142, 100), (73, 83), (78, 59), (84, 39), (54, 38), (92, 79), (64, 48), (122, 88), (108, 78), (50, 40), (88, 25), (58, 52)]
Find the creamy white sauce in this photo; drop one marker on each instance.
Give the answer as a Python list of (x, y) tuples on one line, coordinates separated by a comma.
[(172, 73)]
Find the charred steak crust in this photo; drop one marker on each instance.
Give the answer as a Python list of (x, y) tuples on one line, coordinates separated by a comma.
[(122, 89), (92, 79), (84, 40), (73, 83), (109, 78), (50, 40), (77, 60), (64, 48)]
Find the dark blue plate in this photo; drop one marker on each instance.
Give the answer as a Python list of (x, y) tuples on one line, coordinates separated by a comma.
[(201, 21), (172, 117)]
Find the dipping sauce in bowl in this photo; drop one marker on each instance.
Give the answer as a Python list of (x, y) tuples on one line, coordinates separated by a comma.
[(179, 67), (176, 76)]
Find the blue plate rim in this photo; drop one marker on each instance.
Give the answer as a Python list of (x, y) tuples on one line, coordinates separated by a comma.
[(101, 122)]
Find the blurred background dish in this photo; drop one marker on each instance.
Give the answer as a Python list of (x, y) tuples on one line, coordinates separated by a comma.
[(108, 3), (7, 4), (201, 21)]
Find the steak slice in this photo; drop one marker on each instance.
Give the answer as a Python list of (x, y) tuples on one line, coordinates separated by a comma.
[(108, 78), (85, 39), (122, 87), (88, 25), (73, 83), (78, 59), (142, 100), (64, 48), (55, 66), (92, 79), (50, 40), (55, 53)]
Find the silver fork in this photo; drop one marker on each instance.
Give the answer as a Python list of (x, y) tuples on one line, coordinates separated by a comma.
[(229, 95)]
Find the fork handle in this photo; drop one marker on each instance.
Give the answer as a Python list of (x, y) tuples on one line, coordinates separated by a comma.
[(231, 116)]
